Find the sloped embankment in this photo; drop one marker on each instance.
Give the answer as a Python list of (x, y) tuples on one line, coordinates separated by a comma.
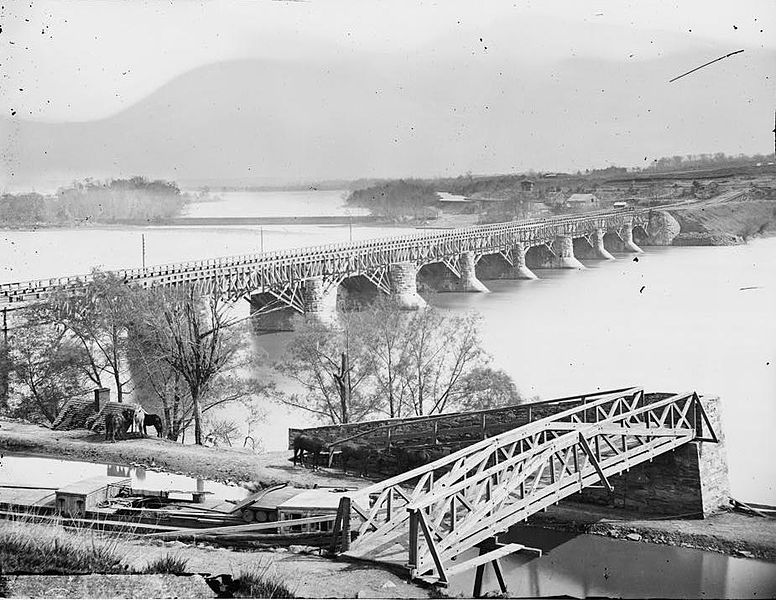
[(724, 224)]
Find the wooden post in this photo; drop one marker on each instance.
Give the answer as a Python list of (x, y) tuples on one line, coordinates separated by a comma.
[(478, 576), (413, 549), (344, 508), (499, 576)]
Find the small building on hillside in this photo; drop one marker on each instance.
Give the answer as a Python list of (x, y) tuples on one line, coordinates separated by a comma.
[(526, 185), (582, 201)]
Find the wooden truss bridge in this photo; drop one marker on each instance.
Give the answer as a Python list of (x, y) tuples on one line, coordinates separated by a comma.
[(283, 273), (427, 518)]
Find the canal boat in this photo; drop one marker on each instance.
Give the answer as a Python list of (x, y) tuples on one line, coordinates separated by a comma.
[(112, 503)]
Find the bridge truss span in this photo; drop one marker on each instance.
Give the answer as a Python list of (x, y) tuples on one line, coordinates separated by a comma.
[(280, 273), (426, 518)]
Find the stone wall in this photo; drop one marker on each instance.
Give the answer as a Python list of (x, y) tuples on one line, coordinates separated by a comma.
[(690, 481)]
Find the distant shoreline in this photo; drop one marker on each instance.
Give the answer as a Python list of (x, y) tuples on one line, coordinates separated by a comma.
[(206, 222)]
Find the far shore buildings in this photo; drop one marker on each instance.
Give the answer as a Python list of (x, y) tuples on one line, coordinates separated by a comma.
[(583, 201)]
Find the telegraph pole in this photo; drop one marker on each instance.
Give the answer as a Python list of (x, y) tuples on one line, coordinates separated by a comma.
[(4, 365), (142, 243)]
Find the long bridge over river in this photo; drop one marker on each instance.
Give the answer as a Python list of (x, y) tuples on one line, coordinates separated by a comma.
[(306, 280)]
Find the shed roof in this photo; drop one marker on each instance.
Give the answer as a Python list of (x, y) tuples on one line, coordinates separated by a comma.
[(588, 198)]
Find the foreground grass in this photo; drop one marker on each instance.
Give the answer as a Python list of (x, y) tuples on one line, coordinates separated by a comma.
[(169, 563), (260, 582), (27, 547)]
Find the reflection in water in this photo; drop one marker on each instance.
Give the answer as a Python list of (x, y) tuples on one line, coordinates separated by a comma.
[(585, 565), (50, 472), (119, 471)]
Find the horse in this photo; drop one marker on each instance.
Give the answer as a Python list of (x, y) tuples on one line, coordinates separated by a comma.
[(312, 445), (138, 420), (406, 460), (117, 424), (155, 421), (361, 453)]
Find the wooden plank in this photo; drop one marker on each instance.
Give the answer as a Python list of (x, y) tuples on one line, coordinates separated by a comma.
[(485, 558), (250, 527)]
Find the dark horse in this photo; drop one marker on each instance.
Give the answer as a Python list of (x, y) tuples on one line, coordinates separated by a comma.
[(360, 453), (117, 424), (155, 421), (312, 445)]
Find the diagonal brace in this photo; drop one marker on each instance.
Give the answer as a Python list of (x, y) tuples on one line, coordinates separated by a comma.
[(594, 462), (705, 419)]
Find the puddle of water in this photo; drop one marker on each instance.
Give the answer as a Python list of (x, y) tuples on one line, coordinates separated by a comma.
[(37, 471), (583, 566)]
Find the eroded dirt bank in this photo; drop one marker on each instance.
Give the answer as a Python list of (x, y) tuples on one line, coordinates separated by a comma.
[(709, 224)]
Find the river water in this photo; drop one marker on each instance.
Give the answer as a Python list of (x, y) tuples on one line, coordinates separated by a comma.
[(581, 566), (38, 471), (677, 319)]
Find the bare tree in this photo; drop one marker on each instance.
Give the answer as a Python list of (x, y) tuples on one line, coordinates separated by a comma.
[(330, 364), (382, 359), (96, 316), (198, 344)]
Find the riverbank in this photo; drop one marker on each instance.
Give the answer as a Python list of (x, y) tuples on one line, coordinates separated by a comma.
[(225, 465), (724, 224), (728, 532)]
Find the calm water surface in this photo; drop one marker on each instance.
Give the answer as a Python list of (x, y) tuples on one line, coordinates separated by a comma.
[(592, 566), (275, 204), (51, 472)]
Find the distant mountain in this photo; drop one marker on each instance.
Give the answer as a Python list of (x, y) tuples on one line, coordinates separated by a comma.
[(251, 122)]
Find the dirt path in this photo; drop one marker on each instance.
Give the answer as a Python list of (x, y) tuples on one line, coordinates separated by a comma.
[(226, 465), (307, 575)]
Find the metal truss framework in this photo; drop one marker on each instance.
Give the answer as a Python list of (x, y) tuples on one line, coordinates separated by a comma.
[(274, 272), (427, 517)]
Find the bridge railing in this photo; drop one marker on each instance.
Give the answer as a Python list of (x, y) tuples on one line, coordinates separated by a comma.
[(447, 429), (440, 510), (192, 270)]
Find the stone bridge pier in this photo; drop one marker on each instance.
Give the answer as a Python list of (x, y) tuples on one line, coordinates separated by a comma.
[(558, 255), (592, 246), (564, 251), (404, 286), (519, 269), (469, 281), (621, 240), (320, 299)]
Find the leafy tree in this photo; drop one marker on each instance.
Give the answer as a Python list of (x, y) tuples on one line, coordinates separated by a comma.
[(46, 365)]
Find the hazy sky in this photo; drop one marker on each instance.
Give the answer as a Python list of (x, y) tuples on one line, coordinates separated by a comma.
[(289, 90), (86, 60)]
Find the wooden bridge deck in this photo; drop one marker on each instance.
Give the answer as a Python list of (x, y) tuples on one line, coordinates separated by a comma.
[(425, 518)]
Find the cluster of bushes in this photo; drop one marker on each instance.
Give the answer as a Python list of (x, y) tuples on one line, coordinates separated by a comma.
[(398, 200), (135, 199)]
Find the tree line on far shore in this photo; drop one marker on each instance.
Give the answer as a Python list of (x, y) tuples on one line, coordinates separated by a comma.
[(89, 201), (189, 356)]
